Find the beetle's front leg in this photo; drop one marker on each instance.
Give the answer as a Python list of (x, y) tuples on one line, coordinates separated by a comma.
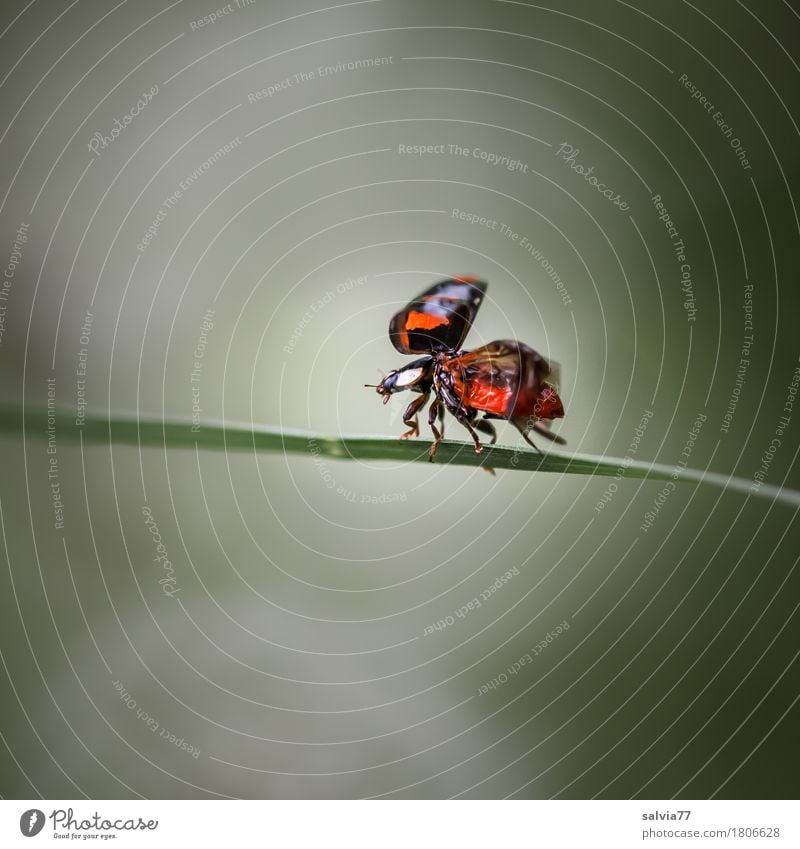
[(410, 415)]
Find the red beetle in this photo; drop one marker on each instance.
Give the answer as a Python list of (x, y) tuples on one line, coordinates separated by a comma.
[(502, 380)]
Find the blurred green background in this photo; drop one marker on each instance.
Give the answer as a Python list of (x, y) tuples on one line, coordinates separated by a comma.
[(295, 655)]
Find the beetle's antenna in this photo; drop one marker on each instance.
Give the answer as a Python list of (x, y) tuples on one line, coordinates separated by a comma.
[(382, 373)]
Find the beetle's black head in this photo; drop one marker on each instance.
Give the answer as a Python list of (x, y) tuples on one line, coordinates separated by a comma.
[(415, 376), (388, 386)]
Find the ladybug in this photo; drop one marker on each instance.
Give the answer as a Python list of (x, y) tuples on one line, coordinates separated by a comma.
[(502, 380)]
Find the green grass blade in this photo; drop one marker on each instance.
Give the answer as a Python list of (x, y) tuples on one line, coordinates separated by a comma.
[(127, 430)]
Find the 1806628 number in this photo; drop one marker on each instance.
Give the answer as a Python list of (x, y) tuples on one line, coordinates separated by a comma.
[(758, 832)]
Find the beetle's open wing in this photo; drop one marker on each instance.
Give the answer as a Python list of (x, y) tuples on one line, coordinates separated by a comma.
[(439, 318)]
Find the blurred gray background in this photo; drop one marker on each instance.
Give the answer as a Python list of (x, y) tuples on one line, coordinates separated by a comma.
[(272, 162)]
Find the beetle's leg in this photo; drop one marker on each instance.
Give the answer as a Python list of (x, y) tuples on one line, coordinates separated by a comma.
[(433, 412), (486, 427), (464, 420), (410, 415), (554, 377), (441, 420), (523, 429), (545, 431)]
